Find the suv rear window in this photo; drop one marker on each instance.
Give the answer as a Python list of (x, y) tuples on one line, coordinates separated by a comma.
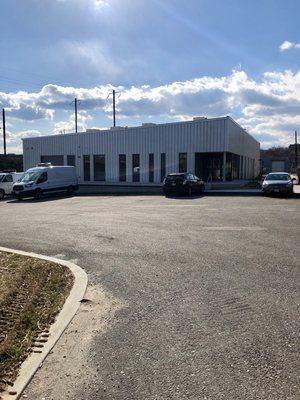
[(180, 176)]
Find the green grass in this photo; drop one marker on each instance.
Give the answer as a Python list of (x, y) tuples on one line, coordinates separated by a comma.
[(32, 292)]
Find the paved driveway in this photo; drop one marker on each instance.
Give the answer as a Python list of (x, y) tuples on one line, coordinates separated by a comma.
[(188, 298)]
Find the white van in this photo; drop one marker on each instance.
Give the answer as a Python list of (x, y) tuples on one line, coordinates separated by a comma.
[(46, 178), (7, 180)]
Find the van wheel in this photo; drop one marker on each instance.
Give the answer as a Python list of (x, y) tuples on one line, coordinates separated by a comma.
[(38, 193), (2, 193), (70, 190)]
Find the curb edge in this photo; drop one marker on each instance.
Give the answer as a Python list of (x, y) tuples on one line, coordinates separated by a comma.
[(67, 313)]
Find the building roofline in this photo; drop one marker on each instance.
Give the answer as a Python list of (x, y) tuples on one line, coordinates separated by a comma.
[(122, 129), (249, 134)]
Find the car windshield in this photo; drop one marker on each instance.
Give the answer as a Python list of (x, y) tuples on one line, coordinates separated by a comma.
[(20, 178), (277, 177), (30, 176), (1, 177)]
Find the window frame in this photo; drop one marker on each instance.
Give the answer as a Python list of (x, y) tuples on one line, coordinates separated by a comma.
[(163, 168), (151, 167), (68, 160), (182, 168), (101, 173), (87, 177), (122, 176), (136, 176)]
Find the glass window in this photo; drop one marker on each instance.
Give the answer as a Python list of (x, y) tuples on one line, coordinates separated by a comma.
[(86, 167), (278, 177), (99, 167), (8, 178), (162, 166), (30, 176), (71, 160), (182, 162), (122, 167), (43, 178), (135, 167), (151, 167), (54, 160)]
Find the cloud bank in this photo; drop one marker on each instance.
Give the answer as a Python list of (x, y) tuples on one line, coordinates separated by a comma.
[(268, 107), (286, 45)]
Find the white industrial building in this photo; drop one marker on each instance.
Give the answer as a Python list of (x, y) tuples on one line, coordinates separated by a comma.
[(215, 149)]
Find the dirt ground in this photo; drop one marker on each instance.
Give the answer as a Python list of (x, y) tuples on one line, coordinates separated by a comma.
[(32, 291)]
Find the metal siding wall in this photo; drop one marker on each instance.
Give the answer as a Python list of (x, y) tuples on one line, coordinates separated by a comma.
[(242, 143), (190, 137)]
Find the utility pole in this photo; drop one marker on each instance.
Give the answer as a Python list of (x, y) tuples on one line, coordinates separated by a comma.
[(76, 104), (296, 150), (4, 132), (114, 92), (75, 101), (114, 107)]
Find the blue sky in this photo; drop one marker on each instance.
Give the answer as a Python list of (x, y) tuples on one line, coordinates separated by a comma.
[(170, 59)]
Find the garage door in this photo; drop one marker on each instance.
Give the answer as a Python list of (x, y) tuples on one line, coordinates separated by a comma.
[(277, 166)]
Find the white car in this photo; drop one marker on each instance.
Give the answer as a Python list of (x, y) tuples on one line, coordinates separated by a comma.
[(7, 181), (278, 182), (46, 179)]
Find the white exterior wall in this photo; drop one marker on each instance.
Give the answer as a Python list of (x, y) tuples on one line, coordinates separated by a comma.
[(242, 143), (208, 135)]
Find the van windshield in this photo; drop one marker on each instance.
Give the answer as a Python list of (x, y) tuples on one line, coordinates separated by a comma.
[(30, 176), (1, 177)]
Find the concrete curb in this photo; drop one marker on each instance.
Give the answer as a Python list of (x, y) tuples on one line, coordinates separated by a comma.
[(72, 303)]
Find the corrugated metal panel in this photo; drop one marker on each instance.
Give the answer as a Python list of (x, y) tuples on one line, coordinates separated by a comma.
[(209, 135), (242, 143)]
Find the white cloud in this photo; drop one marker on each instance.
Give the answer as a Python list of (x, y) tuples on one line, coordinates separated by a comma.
[(13, 139), (286, 45), (69, 125), (268, 107)]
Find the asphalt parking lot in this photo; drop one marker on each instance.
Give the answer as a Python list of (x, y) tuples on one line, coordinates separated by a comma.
[(189, 298)]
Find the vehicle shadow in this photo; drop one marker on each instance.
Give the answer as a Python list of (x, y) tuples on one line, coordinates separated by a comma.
[(43, 199), (185, 197), (283, 196)]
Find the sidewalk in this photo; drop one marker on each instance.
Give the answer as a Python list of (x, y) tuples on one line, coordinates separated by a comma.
[(233, 191)]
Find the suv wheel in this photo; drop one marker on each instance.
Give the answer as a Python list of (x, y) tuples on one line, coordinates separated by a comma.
[(38, 193), (2, 194), (70, 190)]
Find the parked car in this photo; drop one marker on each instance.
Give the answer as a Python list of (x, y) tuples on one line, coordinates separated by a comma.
[(7, 180), (46, 179), (182, 183), (278, 182)]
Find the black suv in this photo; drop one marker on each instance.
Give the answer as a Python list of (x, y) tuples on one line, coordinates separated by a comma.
[(182, 183)]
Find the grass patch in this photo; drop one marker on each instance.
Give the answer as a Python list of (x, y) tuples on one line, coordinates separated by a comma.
[(32, 292)]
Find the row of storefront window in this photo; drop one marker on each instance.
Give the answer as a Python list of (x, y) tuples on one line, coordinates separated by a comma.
[(208, 166), (99, 166)]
